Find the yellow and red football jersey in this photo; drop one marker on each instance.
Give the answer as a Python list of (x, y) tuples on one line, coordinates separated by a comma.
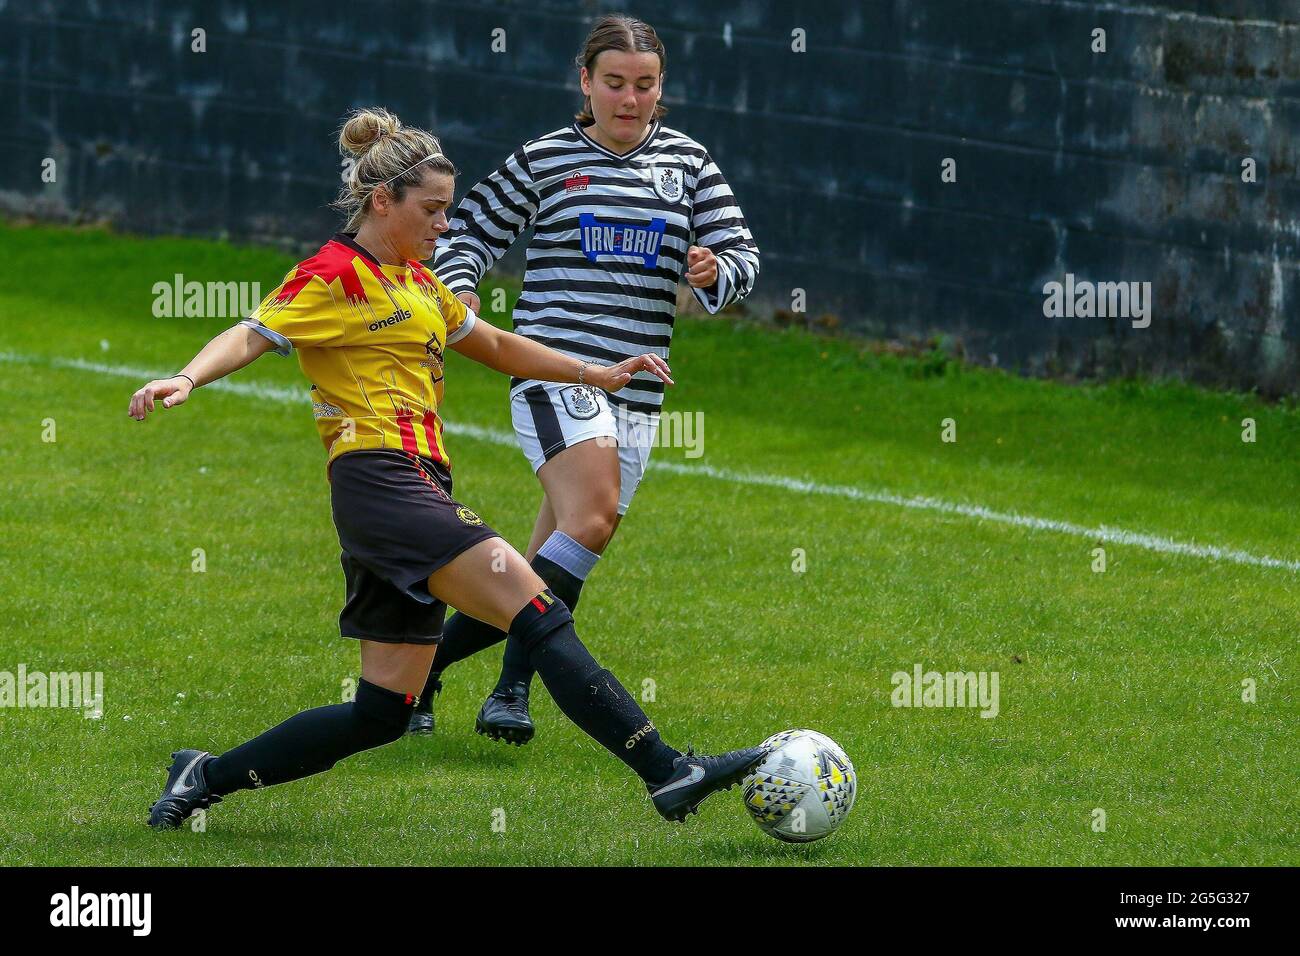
[(370, 338)]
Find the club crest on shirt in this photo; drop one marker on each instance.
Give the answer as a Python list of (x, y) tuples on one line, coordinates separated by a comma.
[(434, 360), (579, 402), (467, 516), (668, 183)]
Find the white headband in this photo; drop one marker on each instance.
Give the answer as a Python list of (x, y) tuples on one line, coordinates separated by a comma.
[(434, 155)]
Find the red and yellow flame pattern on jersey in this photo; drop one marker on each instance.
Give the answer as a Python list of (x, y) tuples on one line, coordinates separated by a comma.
[(371, 339)]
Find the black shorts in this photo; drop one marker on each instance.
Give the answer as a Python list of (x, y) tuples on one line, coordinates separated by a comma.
[(397, 524)]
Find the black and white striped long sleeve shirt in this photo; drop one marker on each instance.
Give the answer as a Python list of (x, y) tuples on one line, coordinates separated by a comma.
[(610, 234)]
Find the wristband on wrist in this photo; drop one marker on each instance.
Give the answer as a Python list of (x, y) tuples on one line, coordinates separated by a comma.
[(186, 377)]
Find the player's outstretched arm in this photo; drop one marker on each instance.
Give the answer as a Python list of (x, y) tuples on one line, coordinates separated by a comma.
[(521, 357), (493, 214), (228, 352)]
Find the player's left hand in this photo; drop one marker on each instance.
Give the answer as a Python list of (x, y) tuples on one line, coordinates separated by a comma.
[(613, 377), (701, 267)]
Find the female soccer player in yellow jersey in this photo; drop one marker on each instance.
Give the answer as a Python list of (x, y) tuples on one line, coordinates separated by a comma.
[(622, 210), (370, 325)]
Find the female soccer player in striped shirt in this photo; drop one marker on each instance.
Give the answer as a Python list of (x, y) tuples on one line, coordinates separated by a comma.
[(370, 325), (622, 208)]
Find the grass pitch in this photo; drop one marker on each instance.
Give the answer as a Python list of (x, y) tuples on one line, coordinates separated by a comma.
[(1120, 691)]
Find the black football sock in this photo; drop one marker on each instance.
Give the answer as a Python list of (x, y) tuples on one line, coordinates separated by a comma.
[(589, 695), (312, 741), (462, 636), (563, 564)]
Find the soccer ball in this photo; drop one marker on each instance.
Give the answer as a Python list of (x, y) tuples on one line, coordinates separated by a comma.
[(803, 789)]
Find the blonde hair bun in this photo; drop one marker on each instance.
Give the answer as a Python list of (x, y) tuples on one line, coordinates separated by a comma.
[(364, 128)]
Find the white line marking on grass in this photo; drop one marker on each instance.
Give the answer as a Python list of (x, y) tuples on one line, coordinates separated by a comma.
[(1148, 542)]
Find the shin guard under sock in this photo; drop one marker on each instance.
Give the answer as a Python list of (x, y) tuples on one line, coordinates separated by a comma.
[(587, 693), (313, 741)]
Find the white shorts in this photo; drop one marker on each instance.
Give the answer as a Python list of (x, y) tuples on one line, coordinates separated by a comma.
[(550, 417)]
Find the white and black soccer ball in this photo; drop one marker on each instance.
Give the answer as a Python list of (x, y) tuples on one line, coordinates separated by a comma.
[(803, 789)]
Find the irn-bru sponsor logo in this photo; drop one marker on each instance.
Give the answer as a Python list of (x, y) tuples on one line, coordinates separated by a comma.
[(400, 315), (639, 239)]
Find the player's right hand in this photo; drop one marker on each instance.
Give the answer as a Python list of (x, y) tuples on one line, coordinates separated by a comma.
[(172, 391), (470, 299), (613, 377)]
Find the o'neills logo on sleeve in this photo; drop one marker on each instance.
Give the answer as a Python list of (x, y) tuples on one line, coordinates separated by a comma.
[(75, 908), (401, 315)]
